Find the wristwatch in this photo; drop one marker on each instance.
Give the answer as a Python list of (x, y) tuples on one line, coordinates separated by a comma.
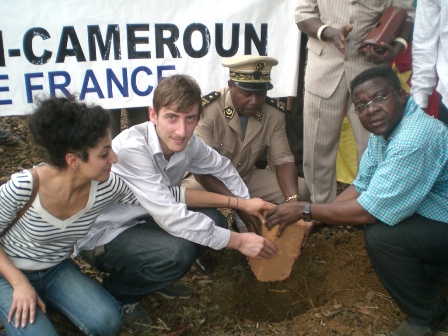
[(306, 214)]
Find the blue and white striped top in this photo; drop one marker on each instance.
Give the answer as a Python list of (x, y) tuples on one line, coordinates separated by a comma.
[(38, 240)]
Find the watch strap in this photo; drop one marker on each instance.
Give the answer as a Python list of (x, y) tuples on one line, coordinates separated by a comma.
[(306, 214)]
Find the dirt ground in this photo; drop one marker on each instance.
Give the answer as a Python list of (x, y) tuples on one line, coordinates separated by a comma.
[(332, 290)]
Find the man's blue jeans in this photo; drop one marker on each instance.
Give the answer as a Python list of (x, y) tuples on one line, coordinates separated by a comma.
[(145, 258), (65, 289)]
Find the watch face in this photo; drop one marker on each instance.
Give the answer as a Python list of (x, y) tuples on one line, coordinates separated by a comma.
[(306, 216)]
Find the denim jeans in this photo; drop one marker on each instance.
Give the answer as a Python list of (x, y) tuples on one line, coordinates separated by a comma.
[(145, 258), (65, 289)]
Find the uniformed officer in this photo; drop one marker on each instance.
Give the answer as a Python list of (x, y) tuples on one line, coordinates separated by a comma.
[(243, 124)]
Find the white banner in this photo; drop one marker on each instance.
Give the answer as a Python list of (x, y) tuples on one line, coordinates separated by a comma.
[(113, 52)]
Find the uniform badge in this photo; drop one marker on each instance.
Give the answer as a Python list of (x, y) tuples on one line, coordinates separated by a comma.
[(259, 115), (210, 98), (229, 111), (278, 104)]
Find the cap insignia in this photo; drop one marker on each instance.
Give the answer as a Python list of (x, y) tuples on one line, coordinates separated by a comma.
[(259, 66)]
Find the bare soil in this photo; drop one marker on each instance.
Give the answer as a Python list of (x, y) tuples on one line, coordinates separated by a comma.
[(332, 290)]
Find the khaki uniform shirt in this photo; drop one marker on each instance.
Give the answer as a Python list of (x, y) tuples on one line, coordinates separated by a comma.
[(221, 129)]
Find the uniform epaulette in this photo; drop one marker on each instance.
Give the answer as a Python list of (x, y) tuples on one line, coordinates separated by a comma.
[(278, 104), (210, 98)]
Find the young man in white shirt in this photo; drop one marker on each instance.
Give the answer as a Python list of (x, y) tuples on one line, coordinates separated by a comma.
[(152, 157)]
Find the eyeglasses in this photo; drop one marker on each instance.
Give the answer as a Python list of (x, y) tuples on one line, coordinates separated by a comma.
[(379, 100)]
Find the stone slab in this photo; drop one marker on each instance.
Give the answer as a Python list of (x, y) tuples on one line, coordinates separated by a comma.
[(288, 250)]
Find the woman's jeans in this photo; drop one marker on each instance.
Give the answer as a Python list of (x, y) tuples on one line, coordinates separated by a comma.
[(67, 290)]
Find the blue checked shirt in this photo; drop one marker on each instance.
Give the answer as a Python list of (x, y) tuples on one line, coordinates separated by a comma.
[(408, 173)]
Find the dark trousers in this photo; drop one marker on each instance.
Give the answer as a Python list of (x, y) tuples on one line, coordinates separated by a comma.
[(145, 258), (406, 257), (443, 113)]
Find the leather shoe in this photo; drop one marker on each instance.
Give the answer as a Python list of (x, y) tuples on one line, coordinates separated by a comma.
[(407, 329), (204, 264), (176, 290)]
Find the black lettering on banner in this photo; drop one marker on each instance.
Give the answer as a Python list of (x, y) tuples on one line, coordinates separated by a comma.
[(69, 33), (250, 35), (205, 33), (2, 51), (112, 35), (28, 46), (219, 40), (168, 41), (134, 40)]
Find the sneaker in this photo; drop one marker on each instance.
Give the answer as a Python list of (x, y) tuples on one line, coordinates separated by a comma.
[(176, 290), (136, 318)]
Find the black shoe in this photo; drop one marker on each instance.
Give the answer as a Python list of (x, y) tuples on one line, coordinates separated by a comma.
[(136, 318), (407, 329), (175, 291), (204, 264)]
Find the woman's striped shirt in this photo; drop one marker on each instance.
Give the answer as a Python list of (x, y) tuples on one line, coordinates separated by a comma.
[(39, 240)]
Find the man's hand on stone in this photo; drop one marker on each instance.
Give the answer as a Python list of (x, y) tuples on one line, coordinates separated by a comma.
[(283, 215)]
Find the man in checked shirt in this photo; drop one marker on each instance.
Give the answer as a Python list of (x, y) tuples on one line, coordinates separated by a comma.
[(400, 195)]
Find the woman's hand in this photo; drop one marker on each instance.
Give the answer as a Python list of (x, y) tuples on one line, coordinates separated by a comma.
[(255, 207), (24, 300)]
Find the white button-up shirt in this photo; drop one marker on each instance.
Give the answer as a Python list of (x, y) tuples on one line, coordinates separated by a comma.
[(149, 175)]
